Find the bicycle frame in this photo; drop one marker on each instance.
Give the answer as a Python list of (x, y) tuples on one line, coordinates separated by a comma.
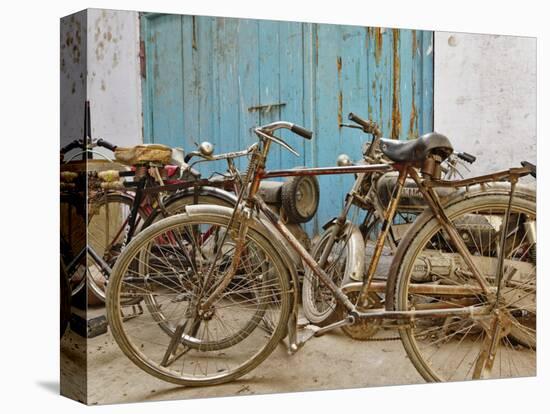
[(253, 202)]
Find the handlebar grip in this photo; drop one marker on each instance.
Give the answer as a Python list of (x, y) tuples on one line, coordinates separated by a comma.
[(532, 167), (187, 157), (358, 120), (106, 144), (70, 146), (297, 129), (464, 156)]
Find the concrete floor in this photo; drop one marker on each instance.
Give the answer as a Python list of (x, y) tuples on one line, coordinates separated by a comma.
[(333, 361)]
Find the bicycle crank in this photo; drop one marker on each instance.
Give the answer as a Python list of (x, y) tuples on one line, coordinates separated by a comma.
[(361, 329)]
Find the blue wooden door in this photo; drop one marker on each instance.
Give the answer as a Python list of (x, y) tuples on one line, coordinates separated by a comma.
[(214, 79)]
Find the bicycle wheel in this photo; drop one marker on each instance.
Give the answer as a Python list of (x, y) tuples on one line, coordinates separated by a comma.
[(173, 340), (501, 342), (319, 305), (64, 299), (73, 240), (108, 221)]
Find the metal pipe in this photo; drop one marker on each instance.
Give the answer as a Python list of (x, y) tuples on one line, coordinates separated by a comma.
[(388, 217), (351, 169), (424, 313)]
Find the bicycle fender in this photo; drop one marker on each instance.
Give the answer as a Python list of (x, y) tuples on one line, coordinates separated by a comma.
[(230, 198), (354, 272), (223, 195)]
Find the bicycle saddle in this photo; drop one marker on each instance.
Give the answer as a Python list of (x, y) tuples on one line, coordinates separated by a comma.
[(416, 149)]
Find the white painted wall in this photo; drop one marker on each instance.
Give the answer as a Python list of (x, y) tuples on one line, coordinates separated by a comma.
[(106, 73), (485, 97), (114, 83), (72, 65)]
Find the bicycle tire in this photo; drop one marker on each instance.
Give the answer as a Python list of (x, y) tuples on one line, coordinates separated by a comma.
[(428, 344), (136, 353)]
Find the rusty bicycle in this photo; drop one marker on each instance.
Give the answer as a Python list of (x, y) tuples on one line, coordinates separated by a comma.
[(105, 202), (221, 290), (342, 249)]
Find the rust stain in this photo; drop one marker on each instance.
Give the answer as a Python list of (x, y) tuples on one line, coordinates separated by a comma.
[(340, 108), (77, 33), (100, 51), (413, 121), (340, 96), (72, 44), (376, 33), (396, 78), (381, 112)]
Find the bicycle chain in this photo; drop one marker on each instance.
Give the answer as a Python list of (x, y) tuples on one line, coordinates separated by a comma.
[(390, 338)]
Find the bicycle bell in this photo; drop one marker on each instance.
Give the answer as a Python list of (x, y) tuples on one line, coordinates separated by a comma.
[(344, 160), (206, 148)]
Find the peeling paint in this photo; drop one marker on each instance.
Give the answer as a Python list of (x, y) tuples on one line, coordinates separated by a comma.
[(396, 83)]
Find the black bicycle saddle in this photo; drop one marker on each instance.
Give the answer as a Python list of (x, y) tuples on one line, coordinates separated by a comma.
[(416, 149)]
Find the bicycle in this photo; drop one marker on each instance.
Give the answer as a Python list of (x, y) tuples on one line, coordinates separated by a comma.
[(341, 249), (223, 289), (162, 184)]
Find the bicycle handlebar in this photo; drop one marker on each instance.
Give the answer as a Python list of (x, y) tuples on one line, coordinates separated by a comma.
[(297, 129), (368, 126), (106, 144), (70, 146), (78, 143), (224, 156), (464, 156), (306, 133), (532, 167)]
